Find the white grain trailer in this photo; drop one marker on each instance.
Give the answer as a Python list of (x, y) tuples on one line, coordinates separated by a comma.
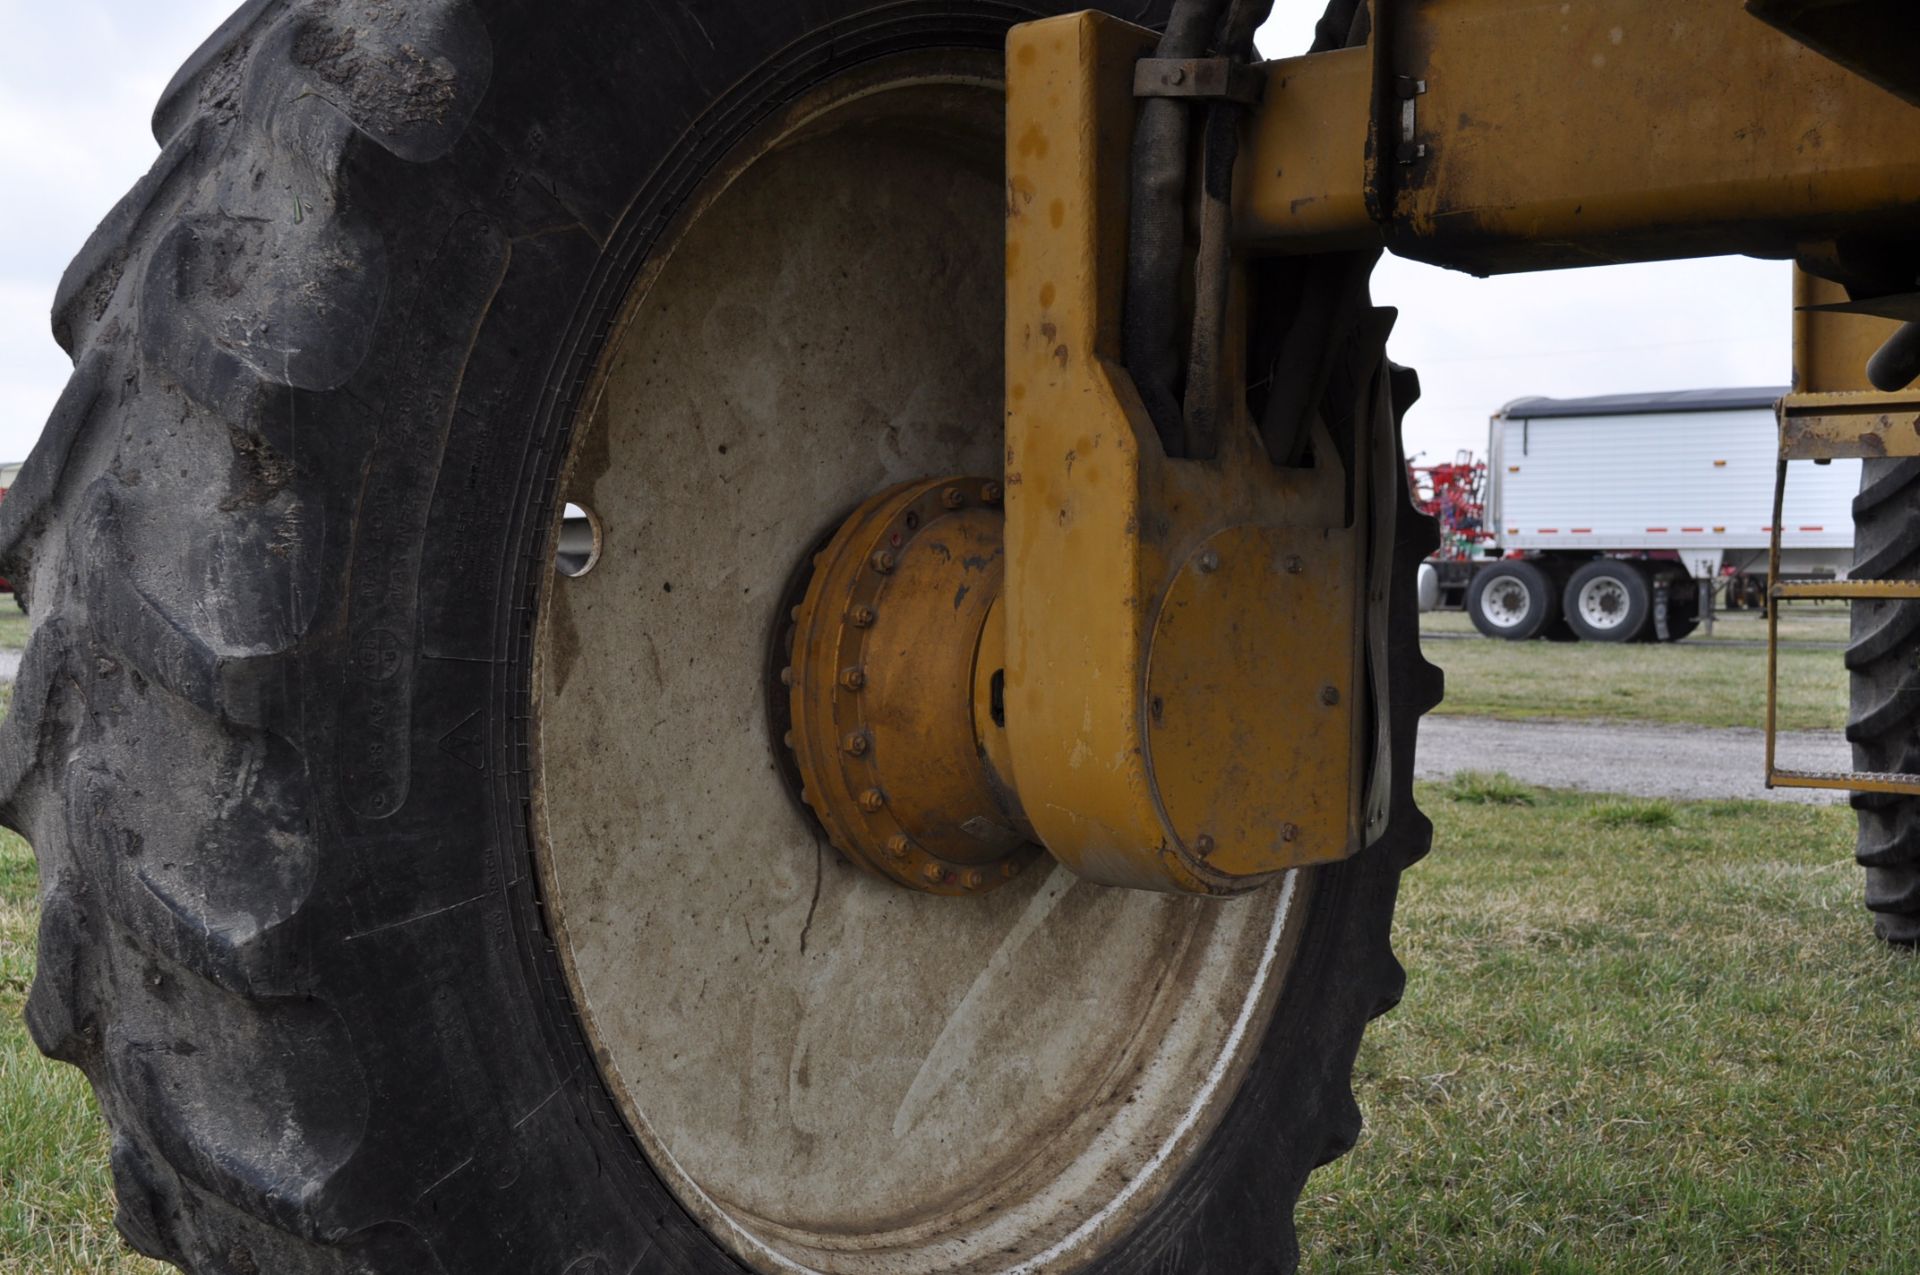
[(1615, 518)]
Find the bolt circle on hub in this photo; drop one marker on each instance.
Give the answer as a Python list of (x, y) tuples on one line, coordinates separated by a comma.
[(886, 676)]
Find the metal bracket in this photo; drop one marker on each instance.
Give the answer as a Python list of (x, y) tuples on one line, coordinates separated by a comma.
[(1199, 79), (1823, 427), (1409, 91)]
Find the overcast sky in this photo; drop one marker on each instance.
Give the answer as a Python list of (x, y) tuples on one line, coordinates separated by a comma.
[(79, 78)]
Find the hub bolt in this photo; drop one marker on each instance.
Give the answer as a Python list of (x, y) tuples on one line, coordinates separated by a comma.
[(990, 493), (861, 617), (975, 880), (883, 562), (898, 845), (786, 676), (953, 498), (1203, 844), (873, 801), (1289, 831), (1294, 565), (935, 874), (855, 744), (853, 679), (1209, 561), (1329, 696)]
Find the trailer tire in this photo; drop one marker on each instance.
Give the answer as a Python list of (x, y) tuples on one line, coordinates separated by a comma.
[(1513, 599), (1881, 653), (288, 534), (1608, 600)]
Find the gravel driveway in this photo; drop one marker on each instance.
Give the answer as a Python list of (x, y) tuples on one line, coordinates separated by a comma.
[(1633, 758)]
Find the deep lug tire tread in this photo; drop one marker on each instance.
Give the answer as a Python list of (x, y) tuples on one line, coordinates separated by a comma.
[(1883, 723)]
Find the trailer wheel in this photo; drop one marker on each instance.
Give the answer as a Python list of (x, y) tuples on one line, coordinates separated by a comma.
[(1608, 600), (418, 908), (1683, 609), (1513, 599), (1881, 655)]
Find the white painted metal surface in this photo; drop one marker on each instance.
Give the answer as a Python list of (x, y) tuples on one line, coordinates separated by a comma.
[(1697, 482)]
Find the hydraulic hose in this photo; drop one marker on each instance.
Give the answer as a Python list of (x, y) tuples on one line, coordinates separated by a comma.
[(1157, 240)]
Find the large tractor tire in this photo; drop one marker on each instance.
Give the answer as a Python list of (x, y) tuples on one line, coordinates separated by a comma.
[(415, 907), (1886, 696)]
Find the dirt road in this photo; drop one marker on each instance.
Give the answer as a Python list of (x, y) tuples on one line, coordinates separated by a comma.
[(1634, 758)]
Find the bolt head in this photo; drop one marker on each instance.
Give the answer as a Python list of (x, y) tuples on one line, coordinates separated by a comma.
[(991, 493), (1329, 696), (786, 676), (975, 879), (1203, 845), (793, 614), (1177, 76), (898, 845), (1289, 832), (853, 679), (861, 617), (935, 874), (953, 498), (1294, 565), (787, 739), (884, 562), (873, 801), (855, 744), (1209, 561)]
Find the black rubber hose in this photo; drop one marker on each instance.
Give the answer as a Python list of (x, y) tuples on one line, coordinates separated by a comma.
[(1205, 396), (1157, 240), (1896, 365)]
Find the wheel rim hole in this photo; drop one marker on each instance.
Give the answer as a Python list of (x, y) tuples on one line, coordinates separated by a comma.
[(578, 549)]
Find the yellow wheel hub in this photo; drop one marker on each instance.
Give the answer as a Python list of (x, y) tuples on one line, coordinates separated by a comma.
[(892, 688)]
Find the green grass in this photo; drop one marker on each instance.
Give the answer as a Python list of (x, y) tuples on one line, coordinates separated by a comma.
[(1480, 788), (1633, 1041), (1799, 622), (1638, 1036), (14, 626), (1701, 685), (56, 1206)]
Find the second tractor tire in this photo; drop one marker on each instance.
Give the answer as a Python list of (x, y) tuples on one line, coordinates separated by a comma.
[(1881, 655)]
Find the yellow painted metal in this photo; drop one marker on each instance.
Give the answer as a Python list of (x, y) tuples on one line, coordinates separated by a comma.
[(1864, 424), (1581, 132), (1830, 350), (1240, 674), (1307, 169), (1898, 785), (885, 662), (1833, 413), (1849, 590), (1154, 730)]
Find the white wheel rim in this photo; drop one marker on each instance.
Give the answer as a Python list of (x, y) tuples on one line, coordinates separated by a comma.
[(832, 1073), (1506, 602), (1604, 603)]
